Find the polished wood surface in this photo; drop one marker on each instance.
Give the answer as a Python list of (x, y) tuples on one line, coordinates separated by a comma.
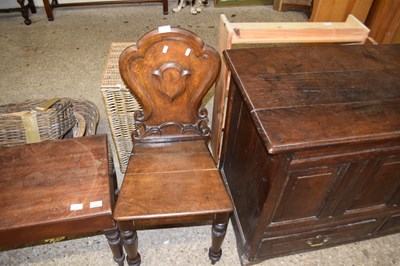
[(352, 31), (348, 96), (177, 183), (171, 177), (56, 188), (312, 147), (170, 74)]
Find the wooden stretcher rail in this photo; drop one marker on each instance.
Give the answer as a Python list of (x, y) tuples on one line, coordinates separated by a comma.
[(350, 31)]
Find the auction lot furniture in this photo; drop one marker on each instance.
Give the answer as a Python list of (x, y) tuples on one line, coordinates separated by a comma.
[(244, 33), (57, 188), (311, 151), (50, 4), (24, 9), (171, 177)]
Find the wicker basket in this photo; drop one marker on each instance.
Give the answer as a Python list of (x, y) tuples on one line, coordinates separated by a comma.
[(87, 119), (34, 121), (120, 105)]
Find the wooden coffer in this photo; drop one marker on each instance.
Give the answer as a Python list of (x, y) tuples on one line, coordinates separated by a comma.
[(311, 150)]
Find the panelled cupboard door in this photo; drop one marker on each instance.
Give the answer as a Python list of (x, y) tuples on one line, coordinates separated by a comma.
[(306, 193), (377, 187), (381, 186), (332, 191)]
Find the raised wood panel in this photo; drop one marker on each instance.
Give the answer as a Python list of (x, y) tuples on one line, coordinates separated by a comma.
[(248, 194), (305, 193), (380, 187)]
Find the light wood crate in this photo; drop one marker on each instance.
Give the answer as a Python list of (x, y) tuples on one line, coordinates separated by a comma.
[(120, 105)]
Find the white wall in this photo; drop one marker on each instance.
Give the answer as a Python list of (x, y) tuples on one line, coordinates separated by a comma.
[(14, 4)]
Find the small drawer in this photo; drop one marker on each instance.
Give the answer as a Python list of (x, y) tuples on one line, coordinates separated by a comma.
[(270, 247)]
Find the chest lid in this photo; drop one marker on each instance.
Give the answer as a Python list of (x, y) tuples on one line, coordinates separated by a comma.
[(310, 96)]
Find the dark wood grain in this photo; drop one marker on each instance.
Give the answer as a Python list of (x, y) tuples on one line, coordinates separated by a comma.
[(170, 76), (354, 86), (35, 174), (162, 200), (312, 147), (39, 183), (171, 178), (25, 10)]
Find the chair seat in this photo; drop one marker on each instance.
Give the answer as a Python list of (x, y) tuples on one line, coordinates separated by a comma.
[(171, 180)]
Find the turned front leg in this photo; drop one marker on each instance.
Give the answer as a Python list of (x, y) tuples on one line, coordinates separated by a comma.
[(130, 242), (220, 224), (115, 243), (24, 12), (32, 6)]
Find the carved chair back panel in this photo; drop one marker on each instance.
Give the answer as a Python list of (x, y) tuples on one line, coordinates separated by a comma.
[(170, 73)]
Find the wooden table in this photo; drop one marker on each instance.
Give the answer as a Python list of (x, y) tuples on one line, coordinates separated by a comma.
[(57, 188), (24, 9), (311, 151), (50, 4)]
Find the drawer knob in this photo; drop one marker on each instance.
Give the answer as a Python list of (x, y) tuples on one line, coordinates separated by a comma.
[(318, 241)]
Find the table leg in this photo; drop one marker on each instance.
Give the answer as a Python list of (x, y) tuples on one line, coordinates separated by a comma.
[(115, 243), (49, 10), (130, 242), (32, 6), (220, 224), (165, 7), (24, 12)]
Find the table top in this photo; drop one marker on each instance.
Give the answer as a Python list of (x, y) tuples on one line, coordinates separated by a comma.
[(54, 181), (311, 96)]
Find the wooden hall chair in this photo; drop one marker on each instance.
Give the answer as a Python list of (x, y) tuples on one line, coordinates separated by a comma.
[(171, 177)]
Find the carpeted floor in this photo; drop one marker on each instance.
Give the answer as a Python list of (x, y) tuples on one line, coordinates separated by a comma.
[(65, 58)]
